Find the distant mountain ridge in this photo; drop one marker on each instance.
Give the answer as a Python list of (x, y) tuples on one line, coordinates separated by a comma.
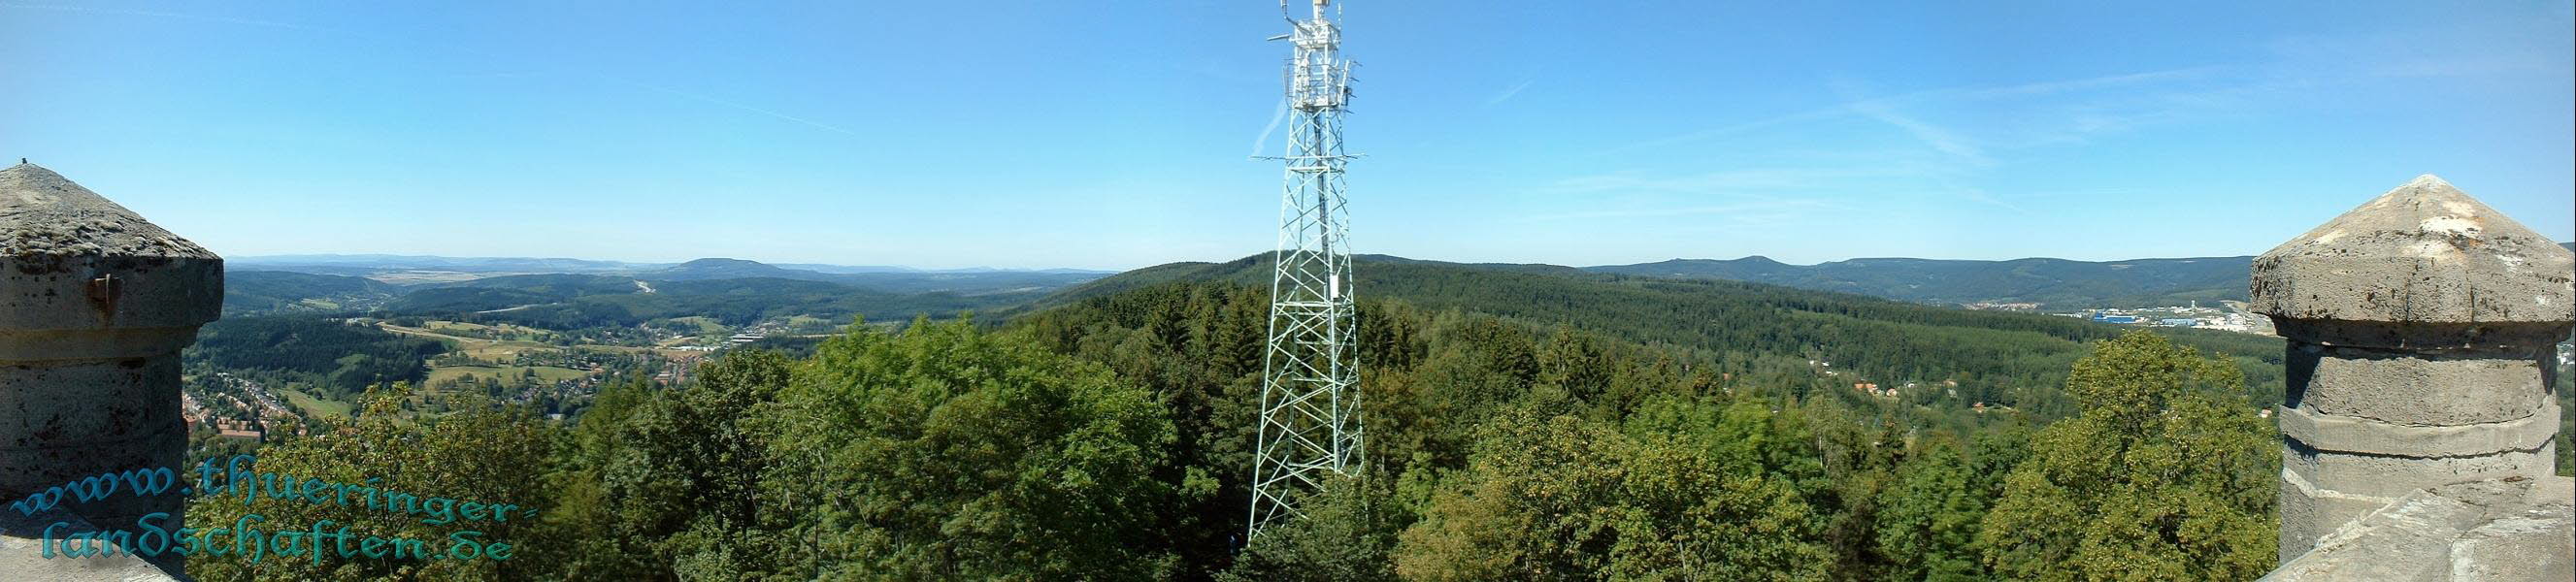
[(342, 264), (2051, 283), (403, 269), (351, 264), (719, 268), (305, 282), (574, 301), (248, 292), (341, 284), (1875, 337)]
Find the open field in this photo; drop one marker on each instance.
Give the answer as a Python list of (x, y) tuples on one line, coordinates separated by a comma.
[(812, 324), (506, 350), (411, 277), (313, 406), (704, 324), (488, 349), (547, 373), (482, 330)]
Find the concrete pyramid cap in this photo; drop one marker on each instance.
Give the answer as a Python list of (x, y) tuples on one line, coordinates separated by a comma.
[(2424, 252), (41, 213)]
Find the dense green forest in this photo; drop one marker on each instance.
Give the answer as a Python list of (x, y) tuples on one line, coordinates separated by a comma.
[(2007, 359), (1559, 437), (341, 358), (255, 292), (881, 279), (1525, 422)]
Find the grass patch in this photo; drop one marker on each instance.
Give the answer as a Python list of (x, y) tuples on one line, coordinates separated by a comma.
[(504, 351), (503, 332), (313, 406), (547, 373), (701, 323)]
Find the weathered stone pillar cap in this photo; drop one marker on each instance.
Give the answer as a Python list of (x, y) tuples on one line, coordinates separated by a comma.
[(71, 260), (2422, 253)]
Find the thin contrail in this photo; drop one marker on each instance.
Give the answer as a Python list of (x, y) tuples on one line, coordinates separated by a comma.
[(1275, 117), (1845, 109), (1507, 94)]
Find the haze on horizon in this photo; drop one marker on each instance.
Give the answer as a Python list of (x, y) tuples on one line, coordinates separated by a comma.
[(1112, 137)]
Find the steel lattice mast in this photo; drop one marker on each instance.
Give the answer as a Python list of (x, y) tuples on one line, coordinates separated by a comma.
[(1310, 420)]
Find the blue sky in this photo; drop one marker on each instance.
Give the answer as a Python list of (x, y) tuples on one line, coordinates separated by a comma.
[(1115, 135)]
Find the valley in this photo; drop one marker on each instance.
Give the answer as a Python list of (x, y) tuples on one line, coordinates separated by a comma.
[(1862, 397), (490, 326)]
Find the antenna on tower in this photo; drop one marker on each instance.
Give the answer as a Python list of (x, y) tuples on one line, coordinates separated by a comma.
[(1310, 401)]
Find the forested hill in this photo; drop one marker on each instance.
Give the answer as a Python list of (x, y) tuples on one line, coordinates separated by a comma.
[(732, 290), (570, 301), (281, 291), (1994, 356), (411, 269), (2053, 283)]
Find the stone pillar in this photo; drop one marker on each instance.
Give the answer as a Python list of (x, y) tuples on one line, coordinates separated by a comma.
[(2421, 332), (95, 304)]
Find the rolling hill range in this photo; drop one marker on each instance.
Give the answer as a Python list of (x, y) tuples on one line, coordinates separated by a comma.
[(2052, 283), (430, 271), (540, 301), (2055, 284), (1992, 353), (627, 291), (248, 292), (966, 282), (571, 300), (363, 264)]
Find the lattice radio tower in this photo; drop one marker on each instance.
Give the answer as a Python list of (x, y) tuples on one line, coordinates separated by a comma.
[(1310, 402)]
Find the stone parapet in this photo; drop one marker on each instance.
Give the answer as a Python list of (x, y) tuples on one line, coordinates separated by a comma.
[(2486, 531), (2416, 387), (2371, 437), (95, 304), (2420, 327), (23, 552)]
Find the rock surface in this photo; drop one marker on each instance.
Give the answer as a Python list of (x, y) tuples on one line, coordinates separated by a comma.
[(43, 213), (2418, 408), (2482, 531), (95, 304), (22, 553), (2421, 253)]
